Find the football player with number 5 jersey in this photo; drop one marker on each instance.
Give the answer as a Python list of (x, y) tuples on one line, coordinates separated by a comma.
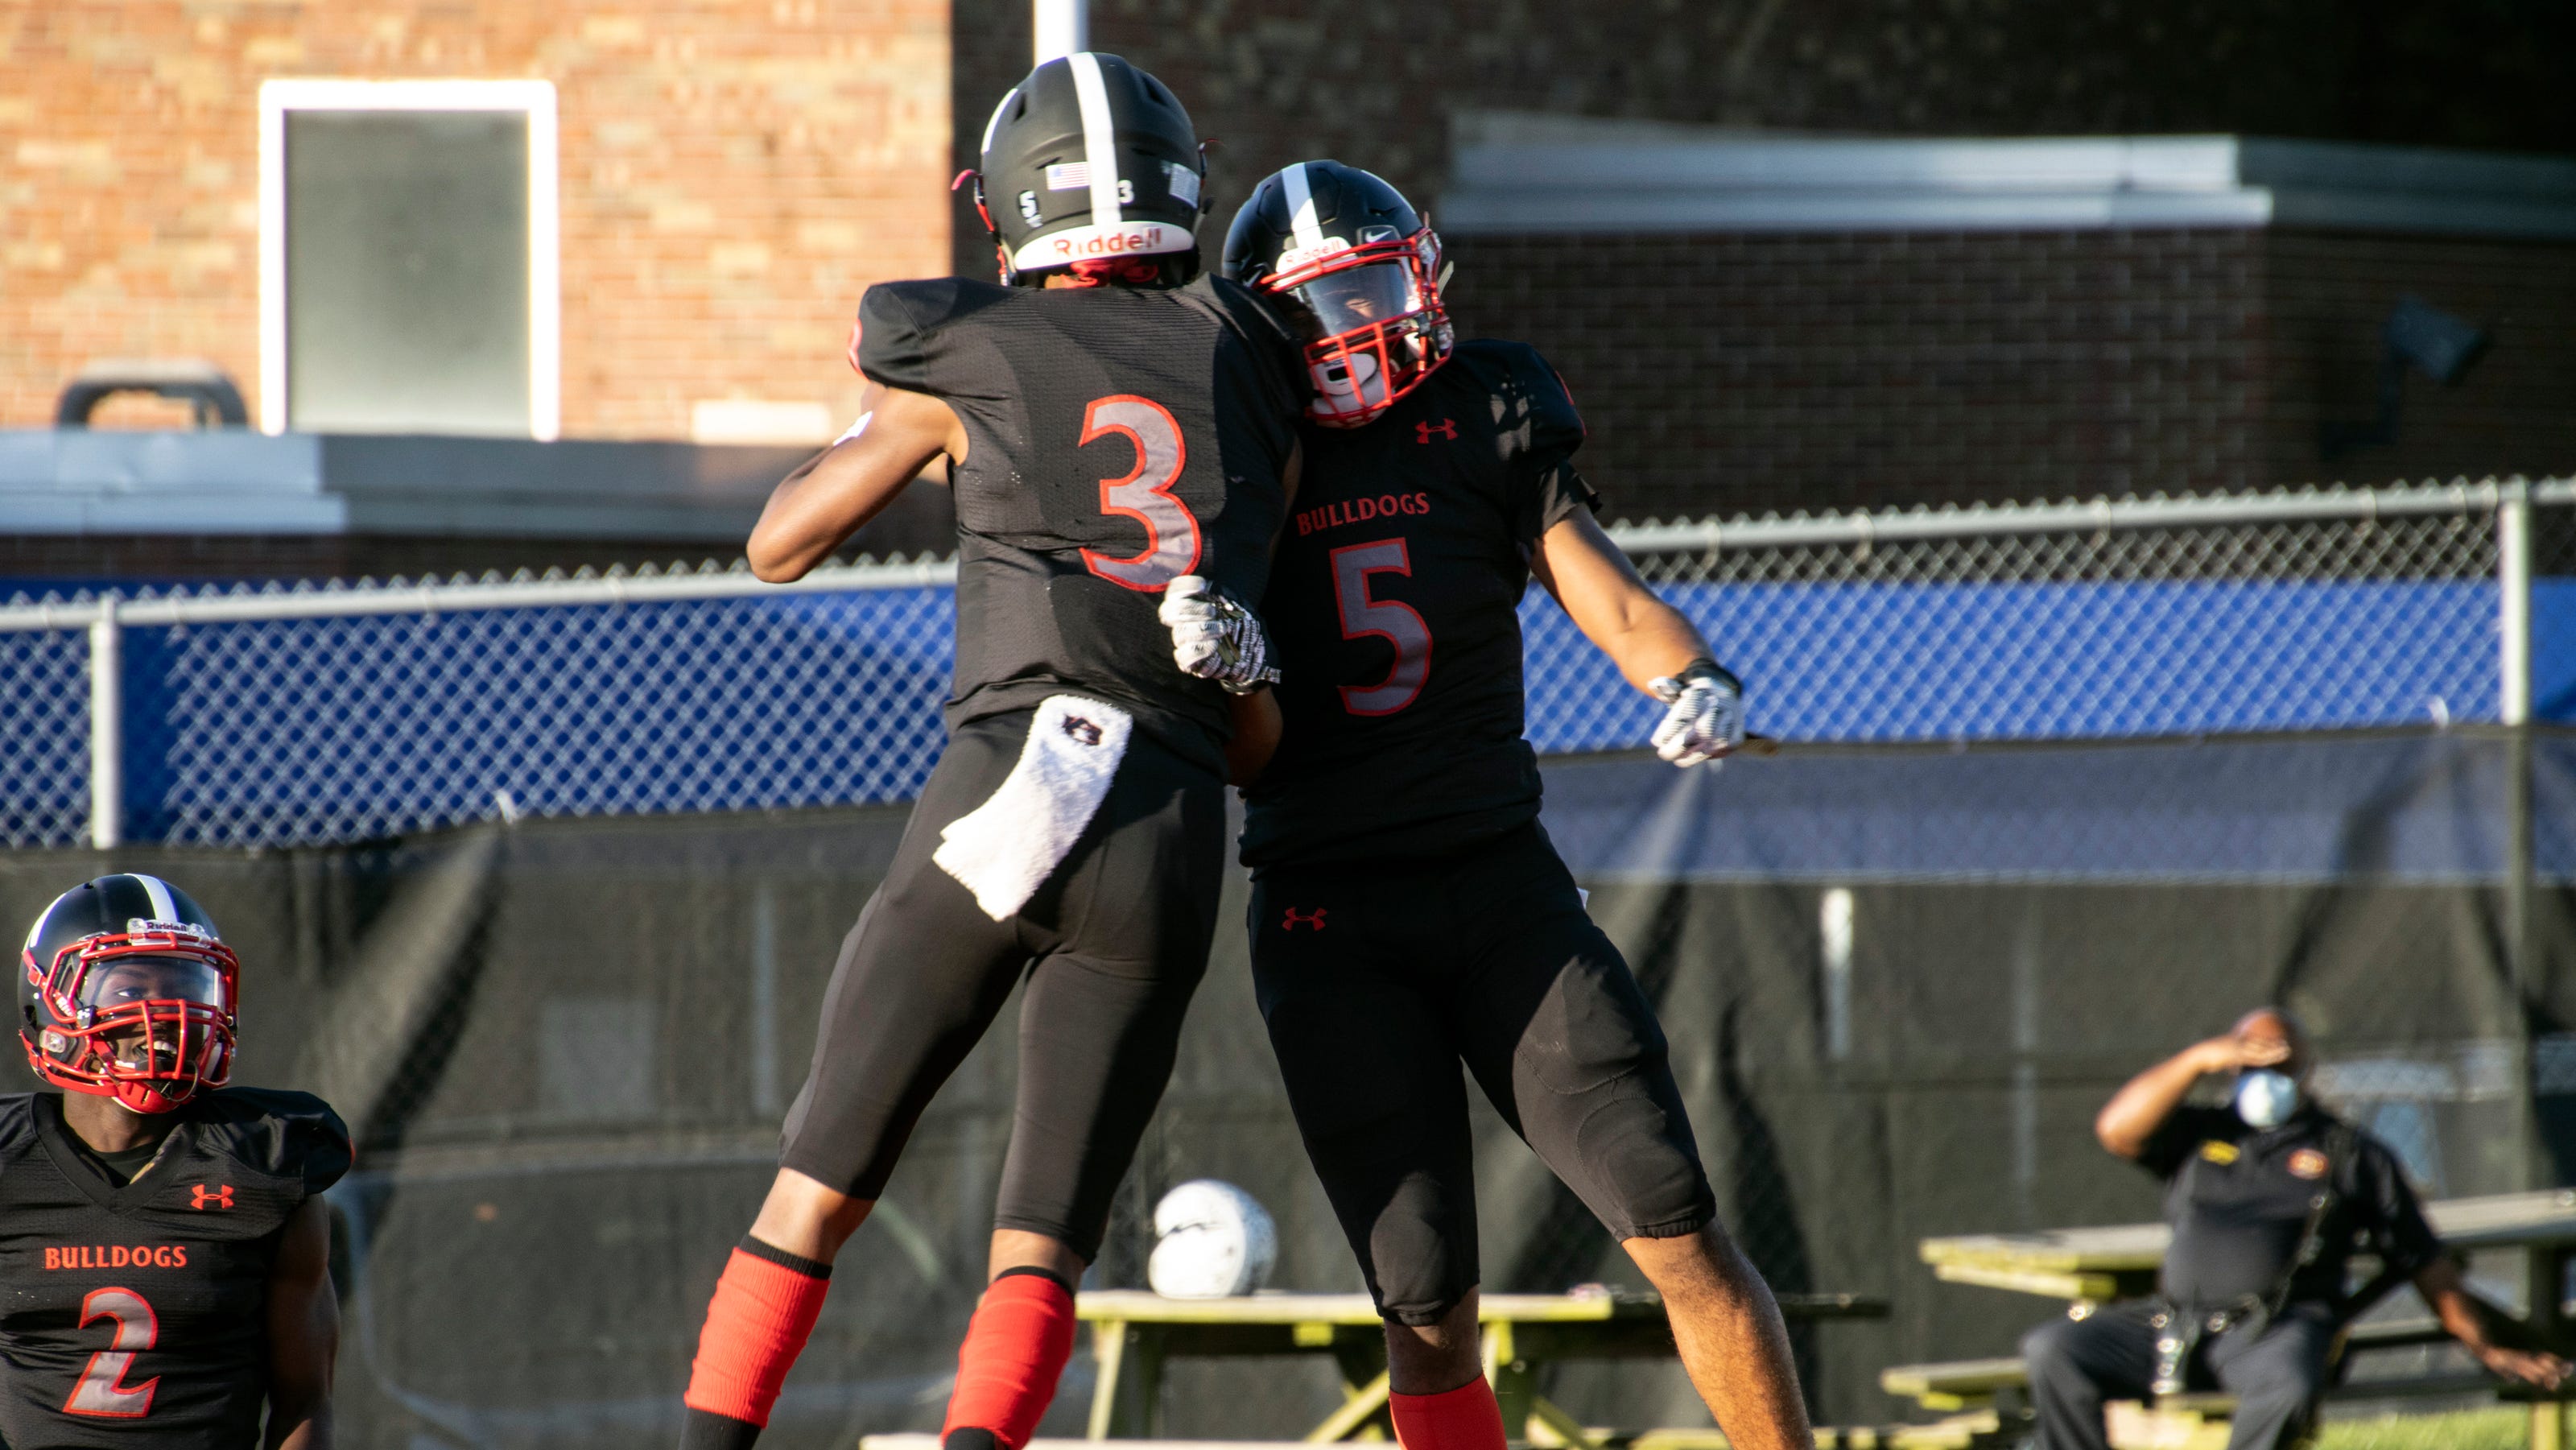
[(164, 1247), (1407, 909), (1120, 434)]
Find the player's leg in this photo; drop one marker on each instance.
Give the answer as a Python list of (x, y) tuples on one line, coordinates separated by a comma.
[(1563, 1041), (1728, 1330), (919, 979), (1372, 1078), (1124, 932)]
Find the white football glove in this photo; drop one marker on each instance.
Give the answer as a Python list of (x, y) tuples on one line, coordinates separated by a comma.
[(1703, 714), (1216, 638)]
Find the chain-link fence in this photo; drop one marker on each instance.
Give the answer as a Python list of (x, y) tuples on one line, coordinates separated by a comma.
[(326, 715), (2319, 610)]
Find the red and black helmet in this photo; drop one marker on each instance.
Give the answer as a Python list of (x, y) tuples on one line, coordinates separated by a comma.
[(127, 991), (1359, 271)]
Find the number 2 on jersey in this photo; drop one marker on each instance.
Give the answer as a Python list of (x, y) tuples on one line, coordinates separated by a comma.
[(102, 1390), (1388, 619), (1145, 494)]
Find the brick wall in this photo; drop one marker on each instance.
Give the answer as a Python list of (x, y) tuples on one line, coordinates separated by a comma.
[(1727, 374), (732, 177), (1732, 374), (2325, 297)]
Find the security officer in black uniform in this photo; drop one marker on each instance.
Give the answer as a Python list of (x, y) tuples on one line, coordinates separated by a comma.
[(2269, 1199)]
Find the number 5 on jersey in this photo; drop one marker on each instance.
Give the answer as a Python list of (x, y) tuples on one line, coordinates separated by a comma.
[(1145, 494), (1388, 619)]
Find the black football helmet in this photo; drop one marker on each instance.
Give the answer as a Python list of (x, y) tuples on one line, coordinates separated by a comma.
[(127, 991), (1092, 165), (1360, 273)]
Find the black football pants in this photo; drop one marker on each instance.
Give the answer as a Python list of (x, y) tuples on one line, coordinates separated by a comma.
[(1377, 980), (1112, 945), (2076, 1364)]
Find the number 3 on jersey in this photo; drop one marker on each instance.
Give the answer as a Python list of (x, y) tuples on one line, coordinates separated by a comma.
[(1145, 494), (102, 1390), (1388, 619)]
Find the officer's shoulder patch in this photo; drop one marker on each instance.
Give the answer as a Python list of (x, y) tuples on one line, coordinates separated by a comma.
[(2308, 1163), (2220, 1151)]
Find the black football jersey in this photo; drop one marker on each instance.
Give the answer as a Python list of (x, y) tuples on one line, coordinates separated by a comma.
[(135, 1313), (1393, 610), (1117, 438)]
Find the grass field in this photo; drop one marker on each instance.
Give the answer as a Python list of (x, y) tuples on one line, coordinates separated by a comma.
[(2506, 1428)]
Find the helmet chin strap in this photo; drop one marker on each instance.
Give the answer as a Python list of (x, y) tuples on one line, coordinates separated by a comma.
[(1001, 250)]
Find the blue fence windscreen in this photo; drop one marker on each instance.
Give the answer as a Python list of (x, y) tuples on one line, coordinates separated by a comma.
[(350, 728)]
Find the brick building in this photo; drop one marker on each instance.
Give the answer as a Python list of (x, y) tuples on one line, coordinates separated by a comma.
[(729, 177)]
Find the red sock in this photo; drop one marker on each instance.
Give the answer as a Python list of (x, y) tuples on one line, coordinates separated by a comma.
[(1014, 1353), (1465, 1418), (764, 1307)]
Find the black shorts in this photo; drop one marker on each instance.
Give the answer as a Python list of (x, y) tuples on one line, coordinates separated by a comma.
[(1377, 980), (1113, 945)]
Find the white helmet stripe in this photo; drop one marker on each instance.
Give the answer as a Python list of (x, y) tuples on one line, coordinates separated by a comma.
[(1099, 137), (993, 123), (163, 908), (38, 929), (1301, 206)]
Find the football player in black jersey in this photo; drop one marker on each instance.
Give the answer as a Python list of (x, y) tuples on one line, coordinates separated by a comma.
[(1408, 911), (1120, 433), (164, 1246)]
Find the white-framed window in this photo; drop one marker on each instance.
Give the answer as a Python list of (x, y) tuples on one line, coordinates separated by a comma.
[(408, 271)]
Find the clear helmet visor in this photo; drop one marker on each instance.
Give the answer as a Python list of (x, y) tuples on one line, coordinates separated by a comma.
[(1340, 302), (128, 981)]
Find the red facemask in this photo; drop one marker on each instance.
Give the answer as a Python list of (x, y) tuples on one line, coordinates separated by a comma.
[(1373, 322), (146, 1017)]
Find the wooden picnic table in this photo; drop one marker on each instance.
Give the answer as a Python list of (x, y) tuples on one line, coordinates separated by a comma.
[(2097, 1265), (1134, 1332)]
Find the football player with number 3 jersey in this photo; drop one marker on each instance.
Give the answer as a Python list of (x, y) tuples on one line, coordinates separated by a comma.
[(1407, 909), (1120, 434), (164, 1247)]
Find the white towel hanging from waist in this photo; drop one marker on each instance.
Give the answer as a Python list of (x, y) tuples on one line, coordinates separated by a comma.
[(1004, 849)]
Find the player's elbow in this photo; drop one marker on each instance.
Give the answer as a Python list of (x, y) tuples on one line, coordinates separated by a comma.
[(776, 561)]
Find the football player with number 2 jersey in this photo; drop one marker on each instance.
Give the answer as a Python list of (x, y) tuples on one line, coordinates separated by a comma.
[(1120, 434), (165, 1253), (1407, 909)]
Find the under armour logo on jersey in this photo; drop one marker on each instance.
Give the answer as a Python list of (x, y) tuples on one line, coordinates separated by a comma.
[(1083, 731), (1446, 428), (1314, 918), (221, 1197)]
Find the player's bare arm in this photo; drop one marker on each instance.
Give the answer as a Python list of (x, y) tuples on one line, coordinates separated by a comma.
[(303, 1333), (1655, 647), (1600, 591), (832, 495), (1257, 727)]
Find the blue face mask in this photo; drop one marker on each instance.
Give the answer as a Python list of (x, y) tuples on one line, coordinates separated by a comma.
[(2264, 1098)]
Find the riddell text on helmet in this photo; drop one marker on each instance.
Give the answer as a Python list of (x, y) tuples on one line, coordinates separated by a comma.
[(1074, 246)]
